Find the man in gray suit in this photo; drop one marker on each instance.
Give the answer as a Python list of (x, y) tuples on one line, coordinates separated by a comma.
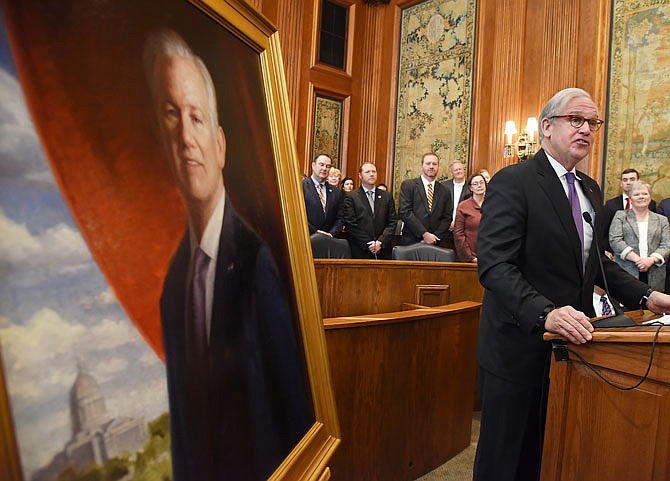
[(425, 206)]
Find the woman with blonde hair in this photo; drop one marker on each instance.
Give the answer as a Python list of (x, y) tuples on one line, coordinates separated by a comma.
[(640, 238), (334, 177)]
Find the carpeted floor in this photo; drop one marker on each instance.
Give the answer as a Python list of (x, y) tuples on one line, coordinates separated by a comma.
[(459, 468)]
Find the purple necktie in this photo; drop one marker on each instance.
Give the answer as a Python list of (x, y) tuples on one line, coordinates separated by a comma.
[(197, 309), (607, 311), (576, 208)]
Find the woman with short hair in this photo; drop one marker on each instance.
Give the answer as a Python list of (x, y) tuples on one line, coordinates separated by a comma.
[(640, 238)]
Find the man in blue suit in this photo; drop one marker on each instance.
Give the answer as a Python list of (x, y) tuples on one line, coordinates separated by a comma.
[(323, 202), (236, 382)]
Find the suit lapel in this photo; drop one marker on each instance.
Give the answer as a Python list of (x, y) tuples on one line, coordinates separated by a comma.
[(551, 184), (422, 193)]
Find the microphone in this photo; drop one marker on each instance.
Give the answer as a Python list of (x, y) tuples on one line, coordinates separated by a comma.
[(619, 319)]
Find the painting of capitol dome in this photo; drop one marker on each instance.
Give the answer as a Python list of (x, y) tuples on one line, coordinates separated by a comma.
[(97, 435)]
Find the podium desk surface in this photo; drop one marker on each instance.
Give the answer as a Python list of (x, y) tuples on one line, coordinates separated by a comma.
[(638, 333)]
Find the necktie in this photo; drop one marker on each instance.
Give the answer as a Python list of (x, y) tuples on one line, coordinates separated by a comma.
[(605, 306), (371, 199), (322, 197), (576, 208), (197, 308), (430, 197), (627, 203)]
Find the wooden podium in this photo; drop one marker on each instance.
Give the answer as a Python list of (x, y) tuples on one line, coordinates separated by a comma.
[(595, 432)]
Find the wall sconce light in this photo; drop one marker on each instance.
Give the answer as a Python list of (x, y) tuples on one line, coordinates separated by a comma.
[(525, 145)]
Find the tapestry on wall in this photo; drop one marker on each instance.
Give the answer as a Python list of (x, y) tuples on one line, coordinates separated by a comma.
[(434, 85), (327, 128), (638, 120)]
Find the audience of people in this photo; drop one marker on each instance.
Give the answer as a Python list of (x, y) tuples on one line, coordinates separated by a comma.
[(425, 206), (640, 238), (468, 216)]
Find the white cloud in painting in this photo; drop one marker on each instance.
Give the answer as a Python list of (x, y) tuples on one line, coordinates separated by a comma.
[(60, 247), (104, 298), (20, 150), (110, 334), (31, 350)]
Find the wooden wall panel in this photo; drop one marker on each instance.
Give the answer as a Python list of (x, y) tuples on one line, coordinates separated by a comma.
[(548, 45), (354, 287)]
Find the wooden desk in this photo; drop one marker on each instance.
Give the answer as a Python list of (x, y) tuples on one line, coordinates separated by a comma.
[(596, 432), (404, 384), (350, 287)]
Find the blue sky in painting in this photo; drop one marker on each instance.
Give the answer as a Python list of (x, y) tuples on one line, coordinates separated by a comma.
[(55, 306)]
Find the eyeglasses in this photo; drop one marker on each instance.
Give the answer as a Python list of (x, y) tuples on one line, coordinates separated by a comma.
[(577, 121), (478, 183)]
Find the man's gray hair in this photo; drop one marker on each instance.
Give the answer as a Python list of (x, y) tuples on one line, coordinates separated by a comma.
[(166, 43), (557, 103)]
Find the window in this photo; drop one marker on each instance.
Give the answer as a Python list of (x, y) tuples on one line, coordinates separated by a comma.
[(333, 34)]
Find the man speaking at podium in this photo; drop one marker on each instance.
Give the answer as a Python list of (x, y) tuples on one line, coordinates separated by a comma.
[(538, 263)]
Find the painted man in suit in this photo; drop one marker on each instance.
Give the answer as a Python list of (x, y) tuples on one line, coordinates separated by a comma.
[(425, 206), (237, 391), (369, 215), (538, 264), (323, 202), (457, 186)]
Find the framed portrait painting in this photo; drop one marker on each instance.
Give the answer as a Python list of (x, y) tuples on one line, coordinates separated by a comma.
[(167, 131)]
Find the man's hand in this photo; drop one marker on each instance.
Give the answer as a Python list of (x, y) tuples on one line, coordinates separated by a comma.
[(570, 323), (429, 238), (375, 246), (324, 233), (659, 303)]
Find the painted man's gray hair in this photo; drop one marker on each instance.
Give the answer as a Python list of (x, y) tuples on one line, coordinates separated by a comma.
[(558, 102), (166, 43)]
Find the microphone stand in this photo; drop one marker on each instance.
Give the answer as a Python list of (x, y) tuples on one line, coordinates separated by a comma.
[(618, 319)]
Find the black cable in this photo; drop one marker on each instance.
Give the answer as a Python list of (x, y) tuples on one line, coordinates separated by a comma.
[(613, 384)]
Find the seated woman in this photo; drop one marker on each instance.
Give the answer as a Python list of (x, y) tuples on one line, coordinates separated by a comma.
[(640, 239), (347, 184), (334, 177), (468, 216)]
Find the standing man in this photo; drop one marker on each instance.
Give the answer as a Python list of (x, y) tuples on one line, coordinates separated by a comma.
[(323, 201), (457, 187), (538, 265), (237, 389), (425, 206), (369, 215)]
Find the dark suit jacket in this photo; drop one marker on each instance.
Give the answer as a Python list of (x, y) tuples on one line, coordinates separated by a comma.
[(529, 258), (364, 227), (330, 221), (465, 192), (239, 418), (413, 211), (664, 209)]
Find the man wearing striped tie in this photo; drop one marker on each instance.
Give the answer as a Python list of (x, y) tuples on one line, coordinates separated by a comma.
[(323, 202), (425, 206)]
